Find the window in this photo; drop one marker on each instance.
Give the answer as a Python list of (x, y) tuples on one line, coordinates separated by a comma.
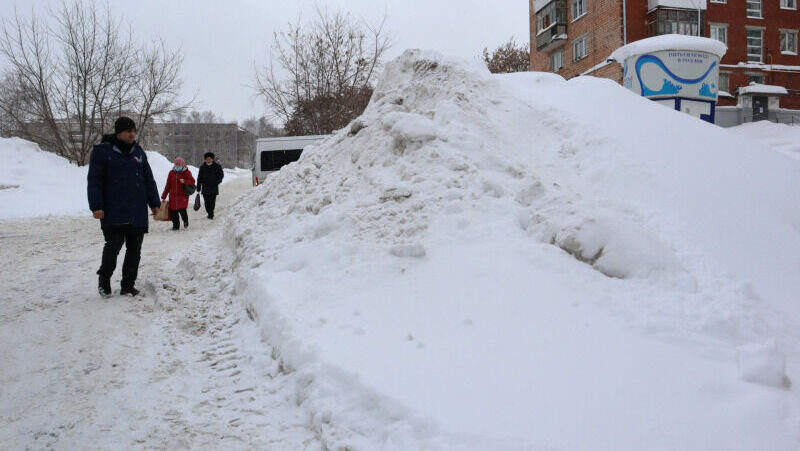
[(788, 4), (579, 49), (674, 21), (272, 160), (789, 42), (719, 1), (557, 61), (720, 33), (724, 82), (754, 45), (578, 8), (755, 78), (555, 12), (754, 8)]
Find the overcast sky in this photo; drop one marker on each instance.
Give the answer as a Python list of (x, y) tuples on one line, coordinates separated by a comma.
[(223, 39)]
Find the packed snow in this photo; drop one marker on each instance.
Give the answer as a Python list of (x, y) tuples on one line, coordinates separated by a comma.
[(669, 42), (781, 138), (520, 261), (38, 183)]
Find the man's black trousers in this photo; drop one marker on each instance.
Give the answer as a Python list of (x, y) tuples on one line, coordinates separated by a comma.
[(132, 239), (211, 201)]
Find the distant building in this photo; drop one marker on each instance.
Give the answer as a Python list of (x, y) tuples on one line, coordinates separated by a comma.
[(574, 37), (232, 145)]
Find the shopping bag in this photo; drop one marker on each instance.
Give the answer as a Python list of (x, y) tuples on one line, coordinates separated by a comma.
[(197, 202), (163, 213)]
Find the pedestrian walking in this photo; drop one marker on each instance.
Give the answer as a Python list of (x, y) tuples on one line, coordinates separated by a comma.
[(209, 178), (180, 185), (120, 187)]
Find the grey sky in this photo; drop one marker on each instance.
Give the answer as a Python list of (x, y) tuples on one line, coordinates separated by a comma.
[(223, 39)]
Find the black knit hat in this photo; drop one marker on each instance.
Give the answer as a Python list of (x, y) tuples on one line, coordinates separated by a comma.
[(124, 124), (209, 155)]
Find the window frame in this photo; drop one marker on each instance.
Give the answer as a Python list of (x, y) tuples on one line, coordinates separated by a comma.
[(782, 32), (793, 8), (760, 9), (761, 45), (582, 39), (727, 76), (552, 60), (760, 75), (573, 9), (718, 1), (718, 26)]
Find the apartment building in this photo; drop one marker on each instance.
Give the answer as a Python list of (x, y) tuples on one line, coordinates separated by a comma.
[(575, 37), (232, 145)]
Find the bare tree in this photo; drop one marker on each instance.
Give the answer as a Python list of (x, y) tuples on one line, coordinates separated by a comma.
[(77, 73), (325, 72), (156, 88), (261, 127), (507, 58)]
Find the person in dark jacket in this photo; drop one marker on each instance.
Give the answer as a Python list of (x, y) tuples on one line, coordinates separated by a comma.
[(120, 187), (208, 180)]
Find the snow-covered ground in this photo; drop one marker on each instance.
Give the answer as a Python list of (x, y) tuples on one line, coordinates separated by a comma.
[(782, 138), (519, 261), (183, 367), (38, 183)]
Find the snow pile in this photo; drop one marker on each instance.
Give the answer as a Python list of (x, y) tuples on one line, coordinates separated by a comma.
[(38, 183), (782, 138), (518, 261)]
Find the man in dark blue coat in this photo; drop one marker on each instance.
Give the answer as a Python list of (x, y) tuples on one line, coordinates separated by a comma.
[(120, 188)]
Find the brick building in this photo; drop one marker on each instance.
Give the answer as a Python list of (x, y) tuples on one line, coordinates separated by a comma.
[(232, 145), (575, 37)]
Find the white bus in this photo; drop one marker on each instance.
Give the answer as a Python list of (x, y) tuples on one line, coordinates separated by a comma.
[(274, 153)]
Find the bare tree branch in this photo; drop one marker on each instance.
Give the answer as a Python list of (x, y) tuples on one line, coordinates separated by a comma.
[(68, 81), (320, 75)]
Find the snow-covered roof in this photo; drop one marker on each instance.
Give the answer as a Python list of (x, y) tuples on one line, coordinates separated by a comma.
[(756, 88), (724, 94), (762, 66), (669, 42)]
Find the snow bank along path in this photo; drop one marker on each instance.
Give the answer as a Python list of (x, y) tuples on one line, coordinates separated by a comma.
[(521, 261), (38, 183)]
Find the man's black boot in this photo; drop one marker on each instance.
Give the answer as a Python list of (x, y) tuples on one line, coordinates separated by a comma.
[(130, 291), (104, 286)]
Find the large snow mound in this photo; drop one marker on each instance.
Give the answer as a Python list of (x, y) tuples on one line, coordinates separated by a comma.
[(38, 183), (520, 261)]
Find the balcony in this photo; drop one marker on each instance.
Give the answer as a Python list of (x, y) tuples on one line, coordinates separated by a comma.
[(551, 38)]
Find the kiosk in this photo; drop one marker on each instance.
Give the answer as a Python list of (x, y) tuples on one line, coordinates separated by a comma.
[(680, 72)]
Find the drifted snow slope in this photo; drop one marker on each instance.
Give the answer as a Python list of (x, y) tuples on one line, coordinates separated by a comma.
[(782, 138), (518, 261), (38, 183)]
